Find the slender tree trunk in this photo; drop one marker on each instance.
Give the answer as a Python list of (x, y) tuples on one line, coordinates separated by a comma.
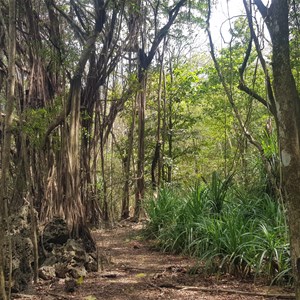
[(96, 213), (157, 154), (140, 189), (170, 143), (155, 161), (111, 176), (164, 130), (104, 183), (105, 208), (127, 163), (170, 132)]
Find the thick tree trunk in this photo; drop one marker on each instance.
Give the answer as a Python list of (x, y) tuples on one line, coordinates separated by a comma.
[(69, 185), (288, 114), (287, 100), (73, 206), (6, 148)]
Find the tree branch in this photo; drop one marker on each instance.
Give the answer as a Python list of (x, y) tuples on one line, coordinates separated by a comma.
[(271, 105), (163, 32), (243, 87), (146, 61), (228, 93), (253, 94), (76, 79), (244, 64), (262, 8), (76, 28)]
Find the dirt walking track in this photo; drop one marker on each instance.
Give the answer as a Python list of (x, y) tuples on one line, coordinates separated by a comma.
[(131, 270)]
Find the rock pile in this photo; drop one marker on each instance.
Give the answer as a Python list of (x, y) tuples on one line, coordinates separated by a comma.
[(60, 256), (63, 257)]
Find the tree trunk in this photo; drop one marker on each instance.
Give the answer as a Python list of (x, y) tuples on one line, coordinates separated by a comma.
[(170, 132), (157, 154), (127, 162), (31, 194), (140, 189), (288, 114), (155, 161), (170, 143), (69, 188), (164, 130), (4, 225), (73, 207)]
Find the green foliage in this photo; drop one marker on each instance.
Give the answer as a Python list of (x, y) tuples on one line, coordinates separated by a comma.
[(36, 124), (248, 235), (217, 191), (167, 206)]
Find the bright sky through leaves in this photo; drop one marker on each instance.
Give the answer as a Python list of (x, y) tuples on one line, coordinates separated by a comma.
[(220, 25)]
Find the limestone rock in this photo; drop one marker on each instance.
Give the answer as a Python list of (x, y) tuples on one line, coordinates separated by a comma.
[(69, 258), (47, 272), (56, 232)]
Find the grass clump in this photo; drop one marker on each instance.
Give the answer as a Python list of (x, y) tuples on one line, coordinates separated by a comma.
[(233, 232)]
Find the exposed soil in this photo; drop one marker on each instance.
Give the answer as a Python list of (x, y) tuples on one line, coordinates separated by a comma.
[(130, 268)]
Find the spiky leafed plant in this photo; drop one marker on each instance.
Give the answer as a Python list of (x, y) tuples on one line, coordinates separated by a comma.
[(217, 191)]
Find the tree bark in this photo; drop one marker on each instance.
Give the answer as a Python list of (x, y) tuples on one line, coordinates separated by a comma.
[(4, 181), (288, 114), (157, 155), (127, 163), (105, 209), (155, 161), (73, 207), (140, 189), (170, 131)]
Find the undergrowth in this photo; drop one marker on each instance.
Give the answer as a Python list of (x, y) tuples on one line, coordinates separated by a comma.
[(230, 230)]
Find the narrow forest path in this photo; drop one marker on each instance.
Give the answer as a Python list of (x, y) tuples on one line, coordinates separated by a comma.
[(131, 270)]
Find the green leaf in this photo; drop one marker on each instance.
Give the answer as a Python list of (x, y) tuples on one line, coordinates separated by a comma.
[(80, 280)]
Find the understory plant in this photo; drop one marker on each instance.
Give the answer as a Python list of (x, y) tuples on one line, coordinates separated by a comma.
[(244, 234)]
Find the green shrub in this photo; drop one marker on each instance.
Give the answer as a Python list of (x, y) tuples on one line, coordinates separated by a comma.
[(234, 232)]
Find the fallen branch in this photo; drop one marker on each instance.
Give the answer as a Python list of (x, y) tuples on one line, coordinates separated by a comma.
[(228, 291), (154, 286), (109, 275), (57, 296), (146, 270), (22, 296)]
